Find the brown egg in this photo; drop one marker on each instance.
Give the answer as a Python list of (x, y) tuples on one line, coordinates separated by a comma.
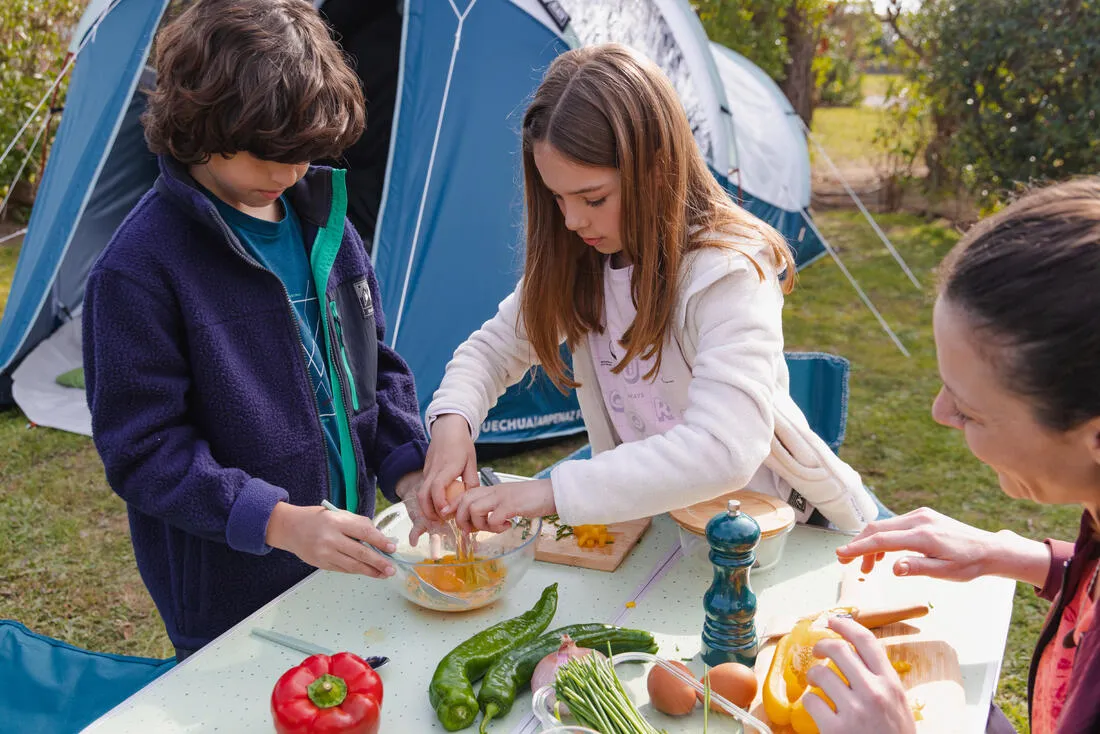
[(669, 694), (734, 682), (455, 491)]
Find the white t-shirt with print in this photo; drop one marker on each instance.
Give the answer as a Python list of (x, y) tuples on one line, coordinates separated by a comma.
[(638, 407)]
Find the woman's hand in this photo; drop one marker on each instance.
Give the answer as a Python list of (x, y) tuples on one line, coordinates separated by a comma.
[(872, 701), (951, 550), (450, 454), (492, 507), (330, 540)]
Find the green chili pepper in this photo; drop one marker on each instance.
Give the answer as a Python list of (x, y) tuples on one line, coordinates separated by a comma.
[(451, 691)]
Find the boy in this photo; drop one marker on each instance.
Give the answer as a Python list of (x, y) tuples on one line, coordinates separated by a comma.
[(233, 344)]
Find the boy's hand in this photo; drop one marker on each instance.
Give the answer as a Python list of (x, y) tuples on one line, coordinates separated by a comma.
[(491, 508), (450, 454), (330, 540)]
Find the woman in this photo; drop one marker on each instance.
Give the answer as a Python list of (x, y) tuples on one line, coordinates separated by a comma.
[(1019, 352)]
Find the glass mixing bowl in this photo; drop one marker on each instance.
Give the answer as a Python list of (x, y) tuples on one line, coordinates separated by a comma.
[(500, 560)]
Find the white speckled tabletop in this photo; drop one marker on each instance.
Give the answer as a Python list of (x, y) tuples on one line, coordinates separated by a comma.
[(226, 686)]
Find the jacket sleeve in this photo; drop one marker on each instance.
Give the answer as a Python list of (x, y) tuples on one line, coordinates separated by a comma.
[(137, 378), (1061, 552), (493, 358), (728, 426), (400, 441)]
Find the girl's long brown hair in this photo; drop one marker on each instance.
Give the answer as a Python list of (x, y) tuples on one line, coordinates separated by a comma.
[(606, 106)]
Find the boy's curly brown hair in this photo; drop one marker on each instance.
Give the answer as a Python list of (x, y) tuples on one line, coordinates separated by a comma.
[(256, 76)]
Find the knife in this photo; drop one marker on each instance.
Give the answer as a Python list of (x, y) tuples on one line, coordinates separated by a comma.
[(869, 617), (308, 648)]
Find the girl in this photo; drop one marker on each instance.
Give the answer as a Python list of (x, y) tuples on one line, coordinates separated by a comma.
[(1018, 351), (668, 297)]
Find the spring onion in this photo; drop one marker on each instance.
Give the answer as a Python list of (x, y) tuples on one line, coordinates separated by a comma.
[(597, 699)]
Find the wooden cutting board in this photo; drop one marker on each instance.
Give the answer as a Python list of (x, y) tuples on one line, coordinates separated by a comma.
[(933, 683), (568, 553)]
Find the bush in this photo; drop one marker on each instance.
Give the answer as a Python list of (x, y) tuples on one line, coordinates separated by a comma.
[(1013, 89), (901, 138), (34, 36)]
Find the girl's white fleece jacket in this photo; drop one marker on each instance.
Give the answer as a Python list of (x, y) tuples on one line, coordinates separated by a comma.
[(728, 326)]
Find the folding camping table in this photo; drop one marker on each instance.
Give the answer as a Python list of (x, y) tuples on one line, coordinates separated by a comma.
[(226, 686)]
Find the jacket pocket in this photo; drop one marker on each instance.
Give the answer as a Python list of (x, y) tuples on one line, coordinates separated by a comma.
[(355, 341)]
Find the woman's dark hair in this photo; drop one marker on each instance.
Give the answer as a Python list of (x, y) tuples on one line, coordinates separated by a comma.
[(1028, 279), (256, 76)]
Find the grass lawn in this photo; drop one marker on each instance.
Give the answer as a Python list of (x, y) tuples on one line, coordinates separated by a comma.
[(66, 568), (846, 134), (877, 84)]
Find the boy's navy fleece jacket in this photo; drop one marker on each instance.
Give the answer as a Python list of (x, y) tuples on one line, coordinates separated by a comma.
[(202, 407)]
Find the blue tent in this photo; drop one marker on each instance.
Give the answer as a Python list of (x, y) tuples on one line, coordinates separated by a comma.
[(448, 236)]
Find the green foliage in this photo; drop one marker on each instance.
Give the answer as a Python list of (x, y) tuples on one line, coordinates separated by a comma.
[(849, 36), (752, 28), (846, 33), (33, 41), (1013, 89), (901, 137)]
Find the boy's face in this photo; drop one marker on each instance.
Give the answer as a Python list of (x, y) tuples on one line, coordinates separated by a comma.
[(247, 183)]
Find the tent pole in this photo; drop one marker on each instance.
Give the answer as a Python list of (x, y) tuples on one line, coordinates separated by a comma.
[(851, 279), (13, 235), (57, 81), (859, 203), (23, 165)]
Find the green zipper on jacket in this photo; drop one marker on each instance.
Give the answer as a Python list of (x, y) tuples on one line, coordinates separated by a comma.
[(325, 248)]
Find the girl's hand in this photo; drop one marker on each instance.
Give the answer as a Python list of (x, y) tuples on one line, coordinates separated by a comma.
[(872, 701), (330, 540), (450, 454), (951, 549), (492, 507), (407, 489)]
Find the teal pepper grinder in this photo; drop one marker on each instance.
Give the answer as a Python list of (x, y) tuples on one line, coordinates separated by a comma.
[(729, 634)]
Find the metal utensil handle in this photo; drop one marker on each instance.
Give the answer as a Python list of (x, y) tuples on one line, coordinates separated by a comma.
[(488, 476), (292, 642), (329, 506)]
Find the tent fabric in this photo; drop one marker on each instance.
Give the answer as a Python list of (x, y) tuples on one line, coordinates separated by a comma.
[(771, 153), (49, 278), (53, 687), (35, 386), (769, 172), (448, 242)]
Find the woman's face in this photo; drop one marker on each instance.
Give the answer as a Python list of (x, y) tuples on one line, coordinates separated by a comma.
[(1031, 460)]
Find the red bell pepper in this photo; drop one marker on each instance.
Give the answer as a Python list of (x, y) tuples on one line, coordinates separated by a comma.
[(328, 695)]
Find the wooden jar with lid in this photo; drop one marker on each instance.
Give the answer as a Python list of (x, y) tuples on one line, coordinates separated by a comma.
[(775, 517)]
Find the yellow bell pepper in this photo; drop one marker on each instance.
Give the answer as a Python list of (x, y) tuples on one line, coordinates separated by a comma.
[(785, 686), (592, 536)]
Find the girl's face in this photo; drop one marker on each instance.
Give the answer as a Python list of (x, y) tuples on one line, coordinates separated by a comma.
[(1032, 461), (589, 197)]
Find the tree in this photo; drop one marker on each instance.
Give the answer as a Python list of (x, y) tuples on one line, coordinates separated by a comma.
[(785, 39), (1012, 89)]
